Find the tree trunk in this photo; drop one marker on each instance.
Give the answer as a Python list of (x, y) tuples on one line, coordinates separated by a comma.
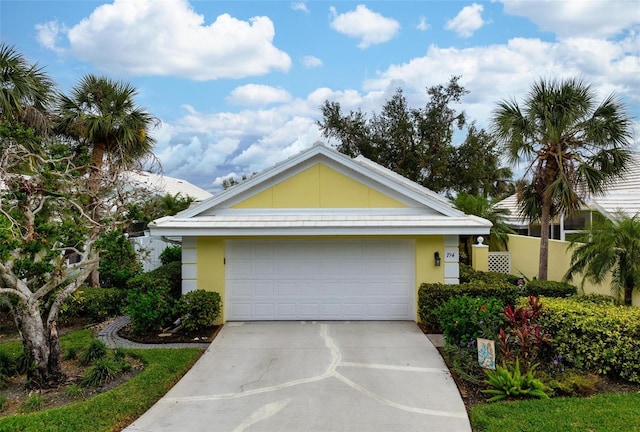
[(41, 346), (97, 157), (628, 294), (544, 239)]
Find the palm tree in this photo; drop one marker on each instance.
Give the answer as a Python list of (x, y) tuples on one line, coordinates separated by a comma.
[(478, 205), (25, 90), (610, 247), (570, 146), (102, 116)]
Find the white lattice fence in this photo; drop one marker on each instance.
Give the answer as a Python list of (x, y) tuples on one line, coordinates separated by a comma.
[(500, 262)]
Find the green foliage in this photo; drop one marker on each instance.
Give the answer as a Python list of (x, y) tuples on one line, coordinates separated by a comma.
[(97, 304), (3, 400), (431, 296), (601, 338), (483, 207), (151, 303), (508, 381), (171, 273), (8, 366), (95, 351), (523, 337), (597, 299), (571, 383), (469, 274), (171, 254), (610, 247), (110, 410), (570, 145), (34, 402), (544, 288), (118, 260), (73, 390), (463, 319), (71, 354), (417, 143), (199, 309), (157, 207), (102, 371)]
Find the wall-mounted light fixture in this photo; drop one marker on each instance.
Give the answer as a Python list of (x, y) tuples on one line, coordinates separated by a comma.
[(436, 258)]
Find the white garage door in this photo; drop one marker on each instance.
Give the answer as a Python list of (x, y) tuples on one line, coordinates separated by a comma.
[(320, 280)]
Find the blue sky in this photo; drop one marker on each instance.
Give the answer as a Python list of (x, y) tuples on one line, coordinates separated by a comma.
[(238, 84)]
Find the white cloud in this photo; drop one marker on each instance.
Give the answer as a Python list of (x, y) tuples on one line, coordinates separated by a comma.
[(258, 95), (609, 65), (311, 61), (49, 33), (423, 25), (468, 20), (168, 38), (362, 23), (578, 18), (300, 6)]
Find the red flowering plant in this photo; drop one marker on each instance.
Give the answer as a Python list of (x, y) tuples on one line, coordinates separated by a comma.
[(523, 337)]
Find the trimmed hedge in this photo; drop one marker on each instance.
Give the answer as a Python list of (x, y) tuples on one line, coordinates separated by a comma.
[(549, 289), (469, 274), (598, 337), (432, 296)]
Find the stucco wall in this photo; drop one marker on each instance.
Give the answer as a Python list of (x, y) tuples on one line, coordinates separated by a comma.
[(525, 254)]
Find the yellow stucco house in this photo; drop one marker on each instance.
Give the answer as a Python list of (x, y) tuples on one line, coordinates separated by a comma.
[(320, 236)]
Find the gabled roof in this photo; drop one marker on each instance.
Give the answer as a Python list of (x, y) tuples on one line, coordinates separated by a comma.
[(426, 212), (621, 195)]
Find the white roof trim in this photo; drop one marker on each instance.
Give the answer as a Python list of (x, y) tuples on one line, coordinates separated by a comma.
[(320, 225)]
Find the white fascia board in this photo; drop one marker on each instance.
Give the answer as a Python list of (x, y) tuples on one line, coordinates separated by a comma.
[(319, 231)]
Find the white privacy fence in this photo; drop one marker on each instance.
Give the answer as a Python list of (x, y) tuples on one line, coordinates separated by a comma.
[(148, 249)]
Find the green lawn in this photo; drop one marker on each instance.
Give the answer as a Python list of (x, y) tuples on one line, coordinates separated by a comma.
[(116, 408), (602, 413)]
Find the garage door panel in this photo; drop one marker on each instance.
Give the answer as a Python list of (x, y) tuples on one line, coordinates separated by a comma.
[(319, 279)]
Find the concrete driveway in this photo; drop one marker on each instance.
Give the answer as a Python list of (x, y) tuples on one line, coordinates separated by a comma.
[(313, 376)]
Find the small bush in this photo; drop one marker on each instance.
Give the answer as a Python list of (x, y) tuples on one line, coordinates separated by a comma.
[(71, 354), (3, 400), (171, 254), (508, 381), (33, 403), (572, 384), (431, 296), (463, 319), (151, 305), (118, 260), (102, 371), (8, 367), (171, 273), (97, 304), (601, 338), (199, 309), (549, 289), (95, 351), (73, 390)]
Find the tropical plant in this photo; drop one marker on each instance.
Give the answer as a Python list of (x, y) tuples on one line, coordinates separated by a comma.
[(50, 220), (118, 260), (26, 90), (101, 115), (569, 145), (509, 381), (610, 248), (485, 208)]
